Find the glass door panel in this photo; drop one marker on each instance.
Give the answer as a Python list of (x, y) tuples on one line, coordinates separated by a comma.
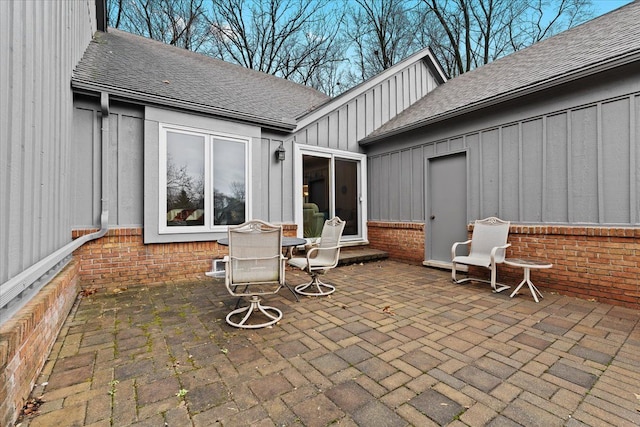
[(330, 187), (347, 194), (316, 194)]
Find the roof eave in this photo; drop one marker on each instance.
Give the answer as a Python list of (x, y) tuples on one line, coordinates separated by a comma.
[(628, 58), (284, 124)]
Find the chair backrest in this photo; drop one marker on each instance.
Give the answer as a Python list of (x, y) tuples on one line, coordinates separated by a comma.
[(487, 234), (255, 250), (330, 238)]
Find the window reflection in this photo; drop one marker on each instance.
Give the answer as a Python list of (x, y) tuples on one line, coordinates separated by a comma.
[(205, 181), (185, 179), (228, 182)]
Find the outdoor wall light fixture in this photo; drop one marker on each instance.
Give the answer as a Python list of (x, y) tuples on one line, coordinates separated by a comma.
[(280, 153)]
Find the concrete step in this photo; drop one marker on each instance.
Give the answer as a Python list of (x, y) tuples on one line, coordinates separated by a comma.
[(357, 254)]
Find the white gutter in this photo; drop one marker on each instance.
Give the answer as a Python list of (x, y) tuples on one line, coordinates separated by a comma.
[(40, 273)]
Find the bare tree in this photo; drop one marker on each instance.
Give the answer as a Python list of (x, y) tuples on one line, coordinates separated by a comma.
[(466, 34), (545, 18), (176, 22), (382, 33), (333, 45), (293, 39)]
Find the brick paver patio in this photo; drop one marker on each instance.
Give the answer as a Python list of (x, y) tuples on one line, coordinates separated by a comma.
[(396, 345)]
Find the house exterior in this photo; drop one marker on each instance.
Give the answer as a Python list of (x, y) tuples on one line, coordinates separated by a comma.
[(547, 138), (142, 154), (193, 147)]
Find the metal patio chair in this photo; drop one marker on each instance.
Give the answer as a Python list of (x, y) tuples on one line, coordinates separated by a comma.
[(320, 259), (254, 267), (488, 244)]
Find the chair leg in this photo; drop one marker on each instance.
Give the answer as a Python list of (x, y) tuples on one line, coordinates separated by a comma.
[(455, 279), (496, 287), (318, 288), (254, 305)]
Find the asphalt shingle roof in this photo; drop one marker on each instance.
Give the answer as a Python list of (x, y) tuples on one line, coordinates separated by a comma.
[(604, 39), (123, 63)]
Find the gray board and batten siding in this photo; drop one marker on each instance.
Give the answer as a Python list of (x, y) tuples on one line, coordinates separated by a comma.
[(133, 171), (126, 164), (354, 119), (40, 44), (567, 155)]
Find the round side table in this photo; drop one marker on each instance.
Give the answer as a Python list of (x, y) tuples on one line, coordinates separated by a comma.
[(527, 265)]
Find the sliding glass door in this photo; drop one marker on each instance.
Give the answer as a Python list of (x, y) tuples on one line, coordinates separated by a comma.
[(332, 185)]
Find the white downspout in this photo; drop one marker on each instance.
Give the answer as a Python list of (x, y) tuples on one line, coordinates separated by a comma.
[(32, 275)]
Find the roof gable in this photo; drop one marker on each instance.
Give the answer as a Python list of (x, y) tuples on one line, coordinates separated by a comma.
[(150, 71), (423, 55), (602, 43)]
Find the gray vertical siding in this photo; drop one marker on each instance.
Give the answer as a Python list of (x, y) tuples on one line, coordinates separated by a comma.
[(577, 165), (40, 43), (272, 192), (342, 128), (126, 171)]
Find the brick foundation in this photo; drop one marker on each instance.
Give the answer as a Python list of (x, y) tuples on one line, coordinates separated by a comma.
[(595, 263), (27, 338), (403, 241), (121, 259)]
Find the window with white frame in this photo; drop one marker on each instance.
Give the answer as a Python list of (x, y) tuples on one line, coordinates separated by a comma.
[(203, 180)]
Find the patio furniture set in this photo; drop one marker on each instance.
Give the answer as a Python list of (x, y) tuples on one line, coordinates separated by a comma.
[(487, 249), (255, 265)]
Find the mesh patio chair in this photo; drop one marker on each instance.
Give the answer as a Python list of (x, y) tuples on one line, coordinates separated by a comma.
[(320, 259), (254, 267), (488, 244)]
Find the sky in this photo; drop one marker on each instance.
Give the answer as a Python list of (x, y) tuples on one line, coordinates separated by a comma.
[(603, 6)]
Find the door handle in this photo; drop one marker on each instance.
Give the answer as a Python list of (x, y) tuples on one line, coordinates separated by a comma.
[(433, 217)]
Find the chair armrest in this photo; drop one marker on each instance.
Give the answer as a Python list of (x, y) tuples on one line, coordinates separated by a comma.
[(455, 246), (495, 250)]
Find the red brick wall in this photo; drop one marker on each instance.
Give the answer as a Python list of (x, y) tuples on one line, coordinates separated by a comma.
[(595, 263), (27, 338), (121, 259), (403, 241)]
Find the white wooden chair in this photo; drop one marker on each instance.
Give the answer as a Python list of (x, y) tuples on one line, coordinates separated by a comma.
[(488, 244), (320, 259), (254, 267)]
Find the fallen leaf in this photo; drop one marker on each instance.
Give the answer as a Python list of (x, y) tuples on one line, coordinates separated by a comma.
[(387, 310), (88, 292), (31, 406)]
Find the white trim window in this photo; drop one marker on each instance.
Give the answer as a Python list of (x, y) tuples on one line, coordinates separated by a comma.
[(203, 180)]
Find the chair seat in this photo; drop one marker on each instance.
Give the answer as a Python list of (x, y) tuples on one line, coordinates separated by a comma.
[(301, 263), (480, 261), (488, 244)]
